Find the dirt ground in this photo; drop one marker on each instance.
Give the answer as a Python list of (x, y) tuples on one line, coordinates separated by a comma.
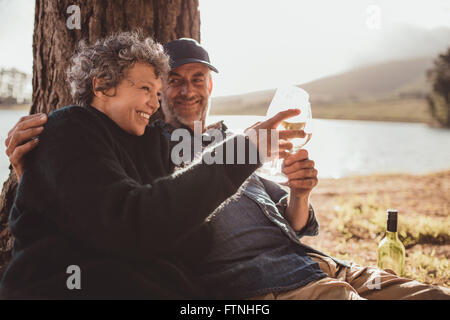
[(414, 196)]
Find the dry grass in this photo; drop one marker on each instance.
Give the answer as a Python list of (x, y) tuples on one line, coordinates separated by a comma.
[(409, 110), (15, 107), (352, 216), (394, 109)]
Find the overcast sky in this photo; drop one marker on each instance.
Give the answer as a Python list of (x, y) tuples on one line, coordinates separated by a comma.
[(260, 44)]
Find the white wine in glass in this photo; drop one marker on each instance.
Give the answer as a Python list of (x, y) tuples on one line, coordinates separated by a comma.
[(289, 98), (298, 143)]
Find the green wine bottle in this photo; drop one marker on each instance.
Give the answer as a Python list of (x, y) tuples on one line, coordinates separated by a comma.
[(391, 252)]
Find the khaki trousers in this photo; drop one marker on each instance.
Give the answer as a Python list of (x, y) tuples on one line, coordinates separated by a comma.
[(359, 283)]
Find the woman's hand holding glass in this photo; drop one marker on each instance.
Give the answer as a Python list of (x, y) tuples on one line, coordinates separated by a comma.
[(263, 133), (289, 97)]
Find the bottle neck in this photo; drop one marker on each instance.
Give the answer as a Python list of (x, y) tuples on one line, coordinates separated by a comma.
[(391, 235), (392, 223)]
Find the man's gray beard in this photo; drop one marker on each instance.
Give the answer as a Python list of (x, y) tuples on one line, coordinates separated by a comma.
[(172, 115)]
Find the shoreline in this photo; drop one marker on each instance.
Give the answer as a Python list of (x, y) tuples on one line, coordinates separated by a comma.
[(319, 115), (430, 123), (25, 107)]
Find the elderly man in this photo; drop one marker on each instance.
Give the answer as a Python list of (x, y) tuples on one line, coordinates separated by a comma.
[(256, 249)]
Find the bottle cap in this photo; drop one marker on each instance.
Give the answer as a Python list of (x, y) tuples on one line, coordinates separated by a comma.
[(392, 220), (392, 213)]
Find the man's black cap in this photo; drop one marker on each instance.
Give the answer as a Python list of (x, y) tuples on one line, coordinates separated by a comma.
[(186, 50)]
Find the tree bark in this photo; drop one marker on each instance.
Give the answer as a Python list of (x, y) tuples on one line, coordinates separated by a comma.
[(54, 43)]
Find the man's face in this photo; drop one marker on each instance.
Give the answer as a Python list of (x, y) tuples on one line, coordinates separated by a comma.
[(136, 99), (186, 94)]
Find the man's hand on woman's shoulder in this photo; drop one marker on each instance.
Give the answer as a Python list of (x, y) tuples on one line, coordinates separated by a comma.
[(23, 138)]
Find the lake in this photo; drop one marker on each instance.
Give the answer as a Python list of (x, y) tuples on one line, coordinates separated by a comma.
[(348, 147), (339, 147)]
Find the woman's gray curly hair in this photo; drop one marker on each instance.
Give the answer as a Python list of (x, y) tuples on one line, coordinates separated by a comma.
[(109, 59)]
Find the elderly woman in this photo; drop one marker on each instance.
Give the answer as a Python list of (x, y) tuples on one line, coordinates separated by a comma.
[(96, 214)]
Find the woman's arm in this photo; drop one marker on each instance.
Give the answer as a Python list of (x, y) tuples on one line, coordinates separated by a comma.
[(91, 198)]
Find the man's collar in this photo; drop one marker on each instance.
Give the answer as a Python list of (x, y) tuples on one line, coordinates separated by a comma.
[(219, 125)]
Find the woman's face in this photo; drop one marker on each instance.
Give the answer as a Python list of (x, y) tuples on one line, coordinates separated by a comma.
[(134, 100)]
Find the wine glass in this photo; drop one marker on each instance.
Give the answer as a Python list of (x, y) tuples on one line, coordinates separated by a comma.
[(288, 98)]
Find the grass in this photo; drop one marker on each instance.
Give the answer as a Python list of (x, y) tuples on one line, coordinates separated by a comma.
[(402, 109), (428, 268), (407, 110), (15, 107), (352, 216), (364, 218)]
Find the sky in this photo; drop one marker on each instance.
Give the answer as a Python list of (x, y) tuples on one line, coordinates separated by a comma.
[(262, 44)]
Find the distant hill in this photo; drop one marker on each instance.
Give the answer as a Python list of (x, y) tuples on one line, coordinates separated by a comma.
[(399, 79), (375, 81)]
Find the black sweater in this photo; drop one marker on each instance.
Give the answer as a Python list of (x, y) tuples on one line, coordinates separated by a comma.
[(96, 197)]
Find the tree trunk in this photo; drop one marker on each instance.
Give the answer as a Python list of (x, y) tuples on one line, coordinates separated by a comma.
[(55, 37)]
